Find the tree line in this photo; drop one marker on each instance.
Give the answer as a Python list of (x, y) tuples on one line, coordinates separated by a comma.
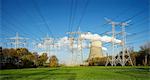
[(23, 58)]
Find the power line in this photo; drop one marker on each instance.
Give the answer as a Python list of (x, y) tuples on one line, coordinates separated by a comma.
[(139, 23), (70, 16), (25, 12), (138, 26), (17, 40), (121, 13), (73, 14), (16, 27), (132, 17), (83, 13), (144, 31), (42, 17), (136, 41), (137, 14)]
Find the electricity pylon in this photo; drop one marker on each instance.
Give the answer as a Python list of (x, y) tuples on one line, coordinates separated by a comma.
[(47, 42), (112, 61), (79, 44), (34, 46), (17, 41), (125, 53), (71, 39)]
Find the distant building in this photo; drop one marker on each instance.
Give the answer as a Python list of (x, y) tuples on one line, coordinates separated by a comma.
[(95, 50)]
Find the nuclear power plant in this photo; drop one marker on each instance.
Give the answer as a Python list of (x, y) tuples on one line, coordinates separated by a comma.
[(75, 43), (95, 50)]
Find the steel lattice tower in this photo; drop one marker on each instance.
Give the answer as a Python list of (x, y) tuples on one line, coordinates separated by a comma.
[(79, 45), (17, 41), (125, 53)]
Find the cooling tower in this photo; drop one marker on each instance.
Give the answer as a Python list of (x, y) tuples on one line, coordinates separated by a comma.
[(95, 49)]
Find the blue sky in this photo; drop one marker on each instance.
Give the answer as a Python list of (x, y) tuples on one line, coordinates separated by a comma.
[(35, 18)]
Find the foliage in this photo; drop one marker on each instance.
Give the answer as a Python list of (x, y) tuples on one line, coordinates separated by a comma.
[(134, 56), (142, 57), (42, 59), (53, 61), (20, 58), (97, 61)]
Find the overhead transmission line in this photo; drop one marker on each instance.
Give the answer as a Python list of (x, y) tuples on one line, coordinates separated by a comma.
[(132, 17), (29, 16), (83, 13), (121, 13), (42, 17), (137, 14), (138, 27), (136, 41), (137, 37), (70, 16), (141, 34), (8, 21), (16, 27), (143, 21), (73, 10)]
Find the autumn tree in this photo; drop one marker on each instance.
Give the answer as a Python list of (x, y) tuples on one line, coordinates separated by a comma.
[(42, 59), (53, 61)]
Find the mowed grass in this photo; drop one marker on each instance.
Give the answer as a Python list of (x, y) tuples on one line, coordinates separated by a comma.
[(78, 73)]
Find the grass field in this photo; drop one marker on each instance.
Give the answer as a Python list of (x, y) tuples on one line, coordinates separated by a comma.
[(77, 73)]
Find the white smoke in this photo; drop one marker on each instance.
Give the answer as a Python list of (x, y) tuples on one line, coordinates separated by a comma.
[(45, 43), (104, 48), (90, 36), (63, 41), (105, 38), (40, 45)]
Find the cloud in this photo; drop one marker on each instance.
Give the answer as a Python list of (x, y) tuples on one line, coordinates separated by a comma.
[(40, 45), (105, 38), (90, 36), (46, 42), (64, 41), (104, 48)]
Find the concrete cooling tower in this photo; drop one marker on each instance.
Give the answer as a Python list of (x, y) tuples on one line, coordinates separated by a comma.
[(95, 49)]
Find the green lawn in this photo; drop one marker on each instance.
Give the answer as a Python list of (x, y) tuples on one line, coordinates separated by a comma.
[(77, 73)]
